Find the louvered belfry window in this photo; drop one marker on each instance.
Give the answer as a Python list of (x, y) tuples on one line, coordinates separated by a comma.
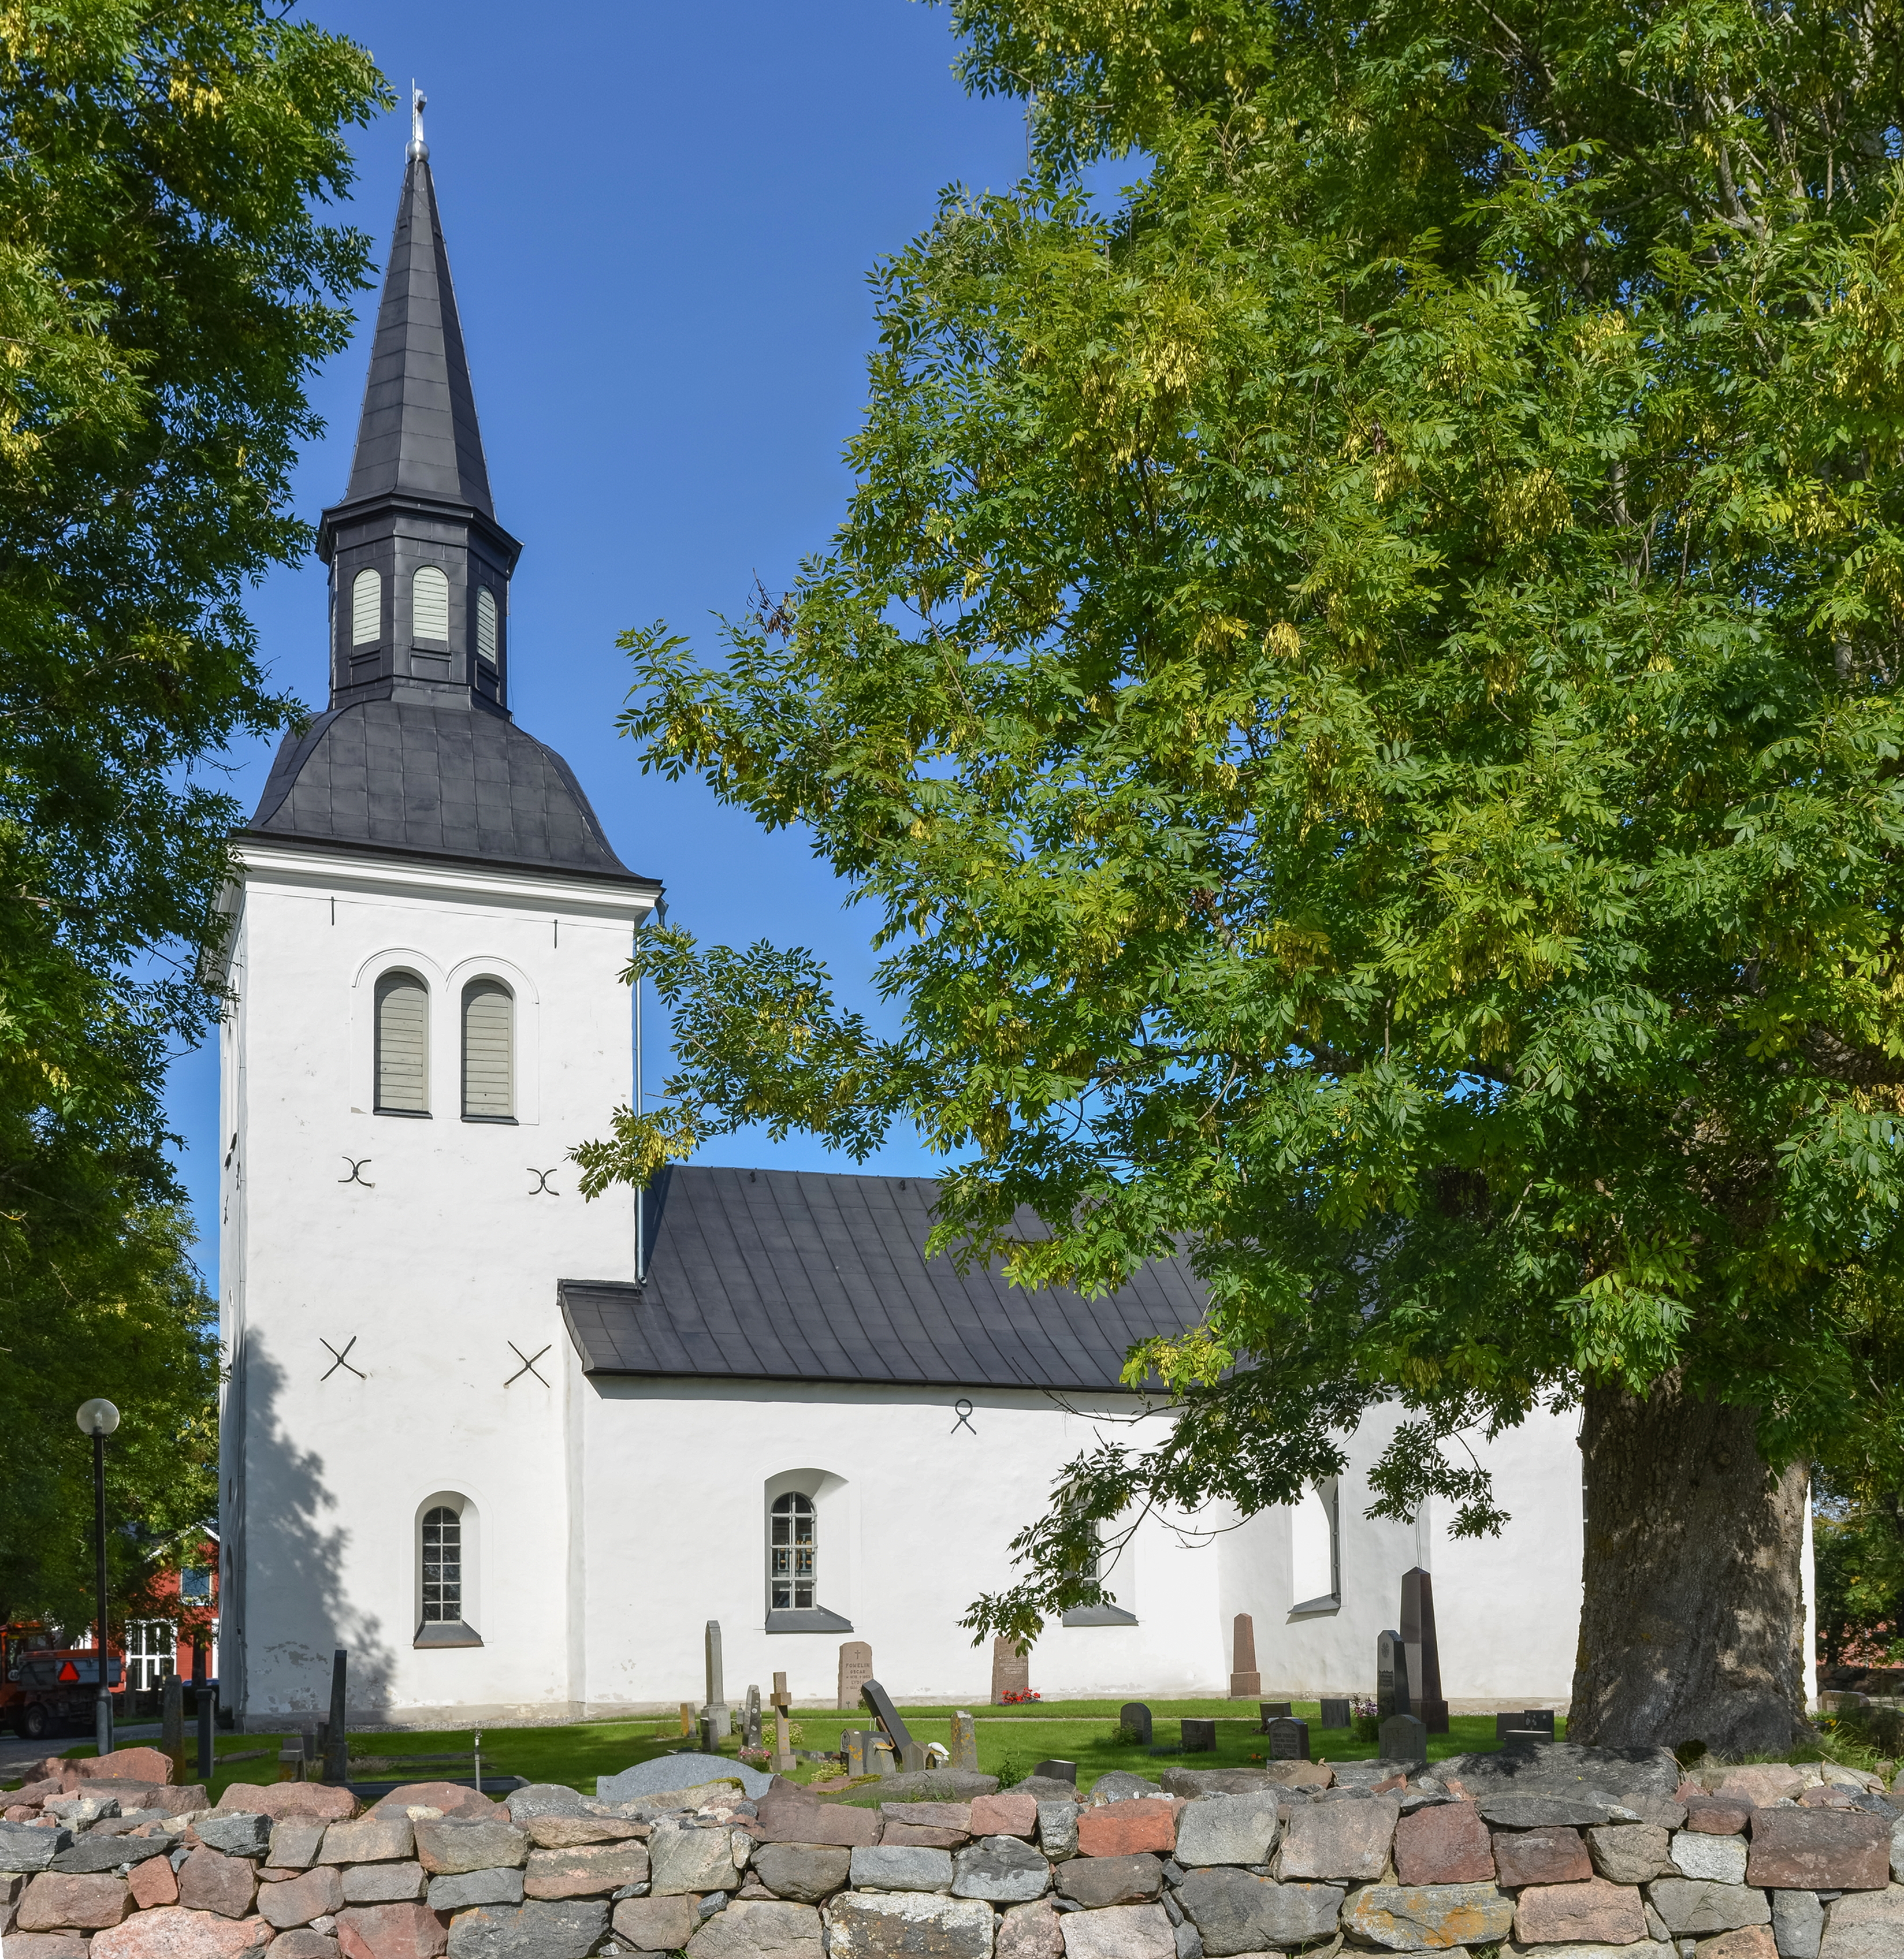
[(430, 604), (790, 1569), (442, 1566), (488, 1042), (485, 625), (403, 1045), (367, 608)]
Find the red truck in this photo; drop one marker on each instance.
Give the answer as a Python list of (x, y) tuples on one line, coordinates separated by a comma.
[(44, 1688)]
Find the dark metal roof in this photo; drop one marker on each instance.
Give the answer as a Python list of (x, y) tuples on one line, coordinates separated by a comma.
[(797, 1275), (436, 781), (419, 432)]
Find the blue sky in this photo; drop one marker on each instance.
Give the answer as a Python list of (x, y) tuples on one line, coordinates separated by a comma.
[(660, 220)]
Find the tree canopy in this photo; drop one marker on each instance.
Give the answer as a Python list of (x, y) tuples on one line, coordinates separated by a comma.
[(167, 289), (1360, 686)]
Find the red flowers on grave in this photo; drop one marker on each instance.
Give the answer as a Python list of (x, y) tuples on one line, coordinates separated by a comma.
[(1012, 1695)]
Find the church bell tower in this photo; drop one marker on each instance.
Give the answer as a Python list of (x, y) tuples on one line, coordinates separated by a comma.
[(428, 930)]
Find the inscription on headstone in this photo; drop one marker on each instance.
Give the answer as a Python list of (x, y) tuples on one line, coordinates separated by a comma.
[(1246, 1684), (1288, 1739), (1200, 1737), (964, 1741), (1391, 1676), (1402, 1738), (1335, 1712), (1133, 1717), (1539, 1717), (1424, 1654), (856, 1669), (1011, 1670)]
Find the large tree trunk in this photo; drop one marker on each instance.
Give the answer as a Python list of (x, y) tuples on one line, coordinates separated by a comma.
[(1693, 1625)]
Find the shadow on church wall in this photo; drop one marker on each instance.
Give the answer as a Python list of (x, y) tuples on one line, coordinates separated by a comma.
[(295, 1613)]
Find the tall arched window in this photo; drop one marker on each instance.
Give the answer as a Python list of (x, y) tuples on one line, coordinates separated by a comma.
[(485, 625), (488, 1051), (367, 608), (430, 604), (790, 1553), (403, 1046), (442, 1566), (1315, 1551)]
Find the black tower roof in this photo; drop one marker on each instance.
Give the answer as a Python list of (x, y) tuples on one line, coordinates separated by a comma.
[(417, 753)]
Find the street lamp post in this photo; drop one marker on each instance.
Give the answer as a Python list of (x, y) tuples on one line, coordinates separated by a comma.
[(98, 1418)]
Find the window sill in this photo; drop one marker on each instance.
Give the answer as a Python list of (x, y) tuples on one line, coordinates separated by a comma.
[(408, 1115), (1316, 1608), (1099, 1615), (813, 1619), (509, 1120), (447, 1632)]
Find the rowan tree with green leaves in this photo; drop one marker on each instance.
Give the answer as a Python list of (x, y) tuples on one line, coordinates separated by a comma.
[(167, 289), (1360, 687)]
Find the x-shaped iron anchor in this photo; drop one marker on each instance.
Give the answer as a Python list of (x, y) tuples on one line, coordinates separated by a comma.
[(529, 1363), (357, 1172), (542, 1189), (342, 1360)]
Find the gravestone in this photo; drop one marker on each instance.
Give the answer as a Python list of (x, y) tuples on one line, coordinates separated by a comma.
[(1133, 1717), (1335, 1712), (1266, 1711), (1402, 1738), (783, 1740), (911, 1754), (1540, 1718), (172, 1723), (854, 1742), (881, 1758), (751, 1736), (1011, 1670), (1288, 1739), (856, 1669), (1391, 1676), (1200, 1737), (1063, 1771), (964, 1741), (1246, 1684), (716, 1722), (687, 1717), (1424, 1654)]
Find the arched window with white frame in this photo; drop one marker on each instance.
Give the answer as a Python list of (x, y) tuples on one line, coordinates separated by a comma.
[(791, 1553), (367, 608), (402, 1062), (488, 1053), (799, 1504), (446, 1576)]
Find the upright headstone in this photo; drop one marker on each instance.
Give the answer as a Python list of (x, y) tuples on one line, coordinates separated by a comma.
[(856, 1669), (1424, 1655), (964, 1741), (1200, 1737), (1402, 1738), (1266, 1711), (752, 1735), (202, 1701), (1288, 1739), (854, 1741), (1335, 1711), (172, 1724), (1541, 1719), (1246, 1684), (1133, 1717), (1059, 1770), (337, 1767), (715, 1716), (782, 1738), (1391, 1676), (687, 1717), (1011, 1670)]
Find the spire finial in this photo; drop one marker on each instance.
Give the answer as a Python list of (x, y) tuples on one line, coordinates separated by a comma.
[(418, 148)]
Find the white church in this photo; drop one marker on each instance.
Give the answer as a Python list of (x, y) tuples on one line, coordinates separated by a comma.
[(513, 1459)]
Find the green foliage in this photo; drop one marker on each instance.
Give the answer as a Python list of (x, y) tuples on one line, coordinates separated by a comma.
[(1360, 689), (166, 291)]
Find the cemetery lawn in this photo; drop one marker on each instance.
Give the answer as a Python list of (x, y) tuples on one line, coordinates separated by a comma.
[(1012, 1740)]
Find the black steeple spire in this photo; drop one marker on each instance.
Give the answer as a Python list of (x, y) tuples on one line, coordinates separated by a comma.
[(420, 568)]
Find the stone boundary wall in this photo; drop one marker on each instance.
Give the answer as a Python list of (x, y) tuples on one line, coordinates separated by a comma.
[(1553, 1852)]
